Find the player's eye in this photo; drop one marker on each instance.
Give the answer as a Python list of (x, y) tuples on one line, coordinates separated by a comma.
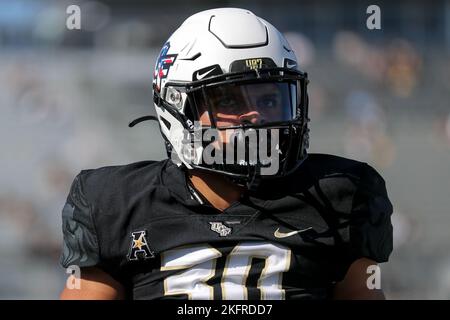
[(268, 101), (227, 104)]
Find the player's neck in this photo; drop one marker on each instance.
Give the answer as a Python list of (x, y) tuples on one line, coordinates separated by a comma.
[(219, 191)]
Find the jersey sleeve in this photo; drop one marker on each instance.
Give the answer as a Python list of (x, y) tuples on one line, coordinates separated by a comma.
[(80, 244), (371, 233)]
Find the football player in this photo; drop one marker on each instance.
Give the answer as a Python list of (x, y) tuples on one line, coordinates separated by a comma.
[(291, 225)]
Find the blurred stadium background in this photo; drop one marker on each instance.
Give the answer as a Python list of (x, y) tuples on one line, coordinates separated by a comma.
[(66, 98)]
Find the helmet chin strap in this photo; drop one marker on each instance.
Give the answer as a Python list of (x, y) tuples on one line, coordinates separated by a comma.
[(255, 178), (252, 182)]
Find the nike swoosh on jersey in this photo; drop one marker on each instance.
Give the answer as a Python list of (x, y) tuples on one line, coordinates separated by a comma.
[(279, 234)]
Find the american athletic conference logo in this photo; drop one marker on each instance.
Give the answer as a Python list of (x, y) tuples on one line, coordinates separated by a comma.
[(163, 64), (139, 247)]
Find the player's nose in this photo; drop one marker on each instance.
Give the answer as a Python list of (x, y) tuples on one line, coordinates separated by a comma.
[(251, 117)]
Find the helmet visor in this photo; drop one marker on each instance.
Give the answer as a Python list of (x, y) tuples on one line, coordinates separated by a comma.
[(238, 104)]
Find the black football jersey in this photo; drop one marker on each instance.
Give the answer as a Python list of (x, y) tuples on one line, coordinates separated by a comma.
[(293, 238)]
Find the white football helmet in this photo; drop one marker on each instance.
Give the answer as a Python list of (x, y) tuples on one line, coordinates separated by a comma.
[(221, 53)]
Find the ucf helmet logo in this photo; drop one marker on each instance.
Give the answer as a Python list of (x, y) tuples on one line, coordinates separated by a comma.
[(139, 247)]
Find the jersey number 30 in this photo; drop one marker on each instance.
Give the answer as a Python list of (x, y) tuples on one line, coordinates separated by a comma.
[(197, 264)]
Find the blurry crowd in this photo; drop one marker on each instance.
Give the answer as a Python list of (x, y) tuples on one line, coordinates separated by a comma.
[(65, 108)]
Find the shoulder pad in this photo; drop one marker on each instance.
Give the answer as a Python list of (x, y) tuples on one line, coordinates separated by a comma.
[(371, 233), (80, 239)]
